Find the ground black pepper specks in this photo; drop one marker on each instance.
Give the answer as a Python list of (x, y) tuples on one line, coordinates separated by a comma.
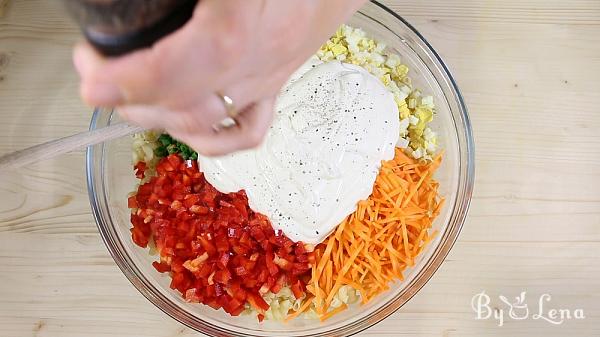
[(323, 153)]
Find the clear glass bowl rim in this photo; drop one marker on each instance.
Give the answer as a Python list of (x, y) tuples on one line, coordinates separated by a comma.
[(99, 205)]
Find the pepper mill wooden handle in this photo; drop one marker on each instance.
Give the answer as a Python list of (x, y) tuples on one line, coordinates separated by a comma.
[(117, 27)]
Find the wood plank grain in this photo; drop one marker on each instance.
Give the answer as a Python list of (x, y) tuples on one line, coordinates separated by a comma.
[(38, 85), (4, 7), (574, 12), (69, 286)]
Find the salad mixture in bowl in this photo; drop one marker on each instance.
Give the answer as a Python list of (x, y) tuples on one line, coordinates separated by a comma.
[(343, 212)]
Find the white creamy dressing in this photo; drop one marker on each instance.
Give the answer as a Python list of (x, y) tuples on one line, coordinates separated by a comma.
[(334, 124)]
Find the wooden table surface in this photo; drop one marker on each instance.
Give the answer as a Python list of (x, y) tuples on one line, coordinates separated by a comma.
[(530, 73)]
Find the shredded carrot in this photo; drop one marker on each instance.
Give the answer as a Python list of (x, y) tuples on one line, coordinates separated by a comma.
[(302, 309), (375, 244), (339, 309), (328, 276)]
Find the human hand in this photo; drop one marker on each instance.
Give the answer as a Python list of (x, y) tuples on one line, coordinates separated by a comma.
[(245, 49)]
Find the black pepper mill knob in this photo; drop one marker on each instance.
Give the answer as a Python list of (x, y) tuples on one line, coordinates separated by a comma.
[(116, 27)]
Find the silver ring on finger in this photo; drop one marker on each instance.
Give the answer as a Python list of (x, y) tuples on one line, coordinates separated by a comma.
[(231, 111)]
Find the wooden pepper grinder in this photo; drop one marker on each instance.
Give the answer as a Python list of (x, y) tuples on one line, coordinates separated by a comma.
[(116, 27)]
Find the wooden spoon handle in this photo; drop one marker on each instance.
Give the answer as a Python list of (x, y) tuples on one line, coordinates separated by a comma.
[(63, 145)]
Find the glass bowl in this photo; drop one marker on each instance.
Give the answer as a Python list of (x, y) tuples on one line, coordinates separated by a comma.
[(110, 179)]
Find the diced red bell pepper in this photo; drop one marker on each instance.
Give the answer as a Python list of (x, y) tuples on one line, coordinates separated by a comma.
[(234, 232), (222, 244), (186, 180), (298, 289), (254, 257), (231, 304), (300, 268), (140, 169), (282, 263), (219, 291), (262, 276), (190, 200), (257, 233), (138, 237), (250, 283), (257, 302), (299, 249), (241, 271), (213, 304), (161, 267), (205, 271), (245, 239), (217, 250), (272, 268), (132, 202), (207, 245), (275, 288), (237, 311), (223, 260), (192, 296), (222, 276), (197, 209), (175, 160), (240, 294)]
